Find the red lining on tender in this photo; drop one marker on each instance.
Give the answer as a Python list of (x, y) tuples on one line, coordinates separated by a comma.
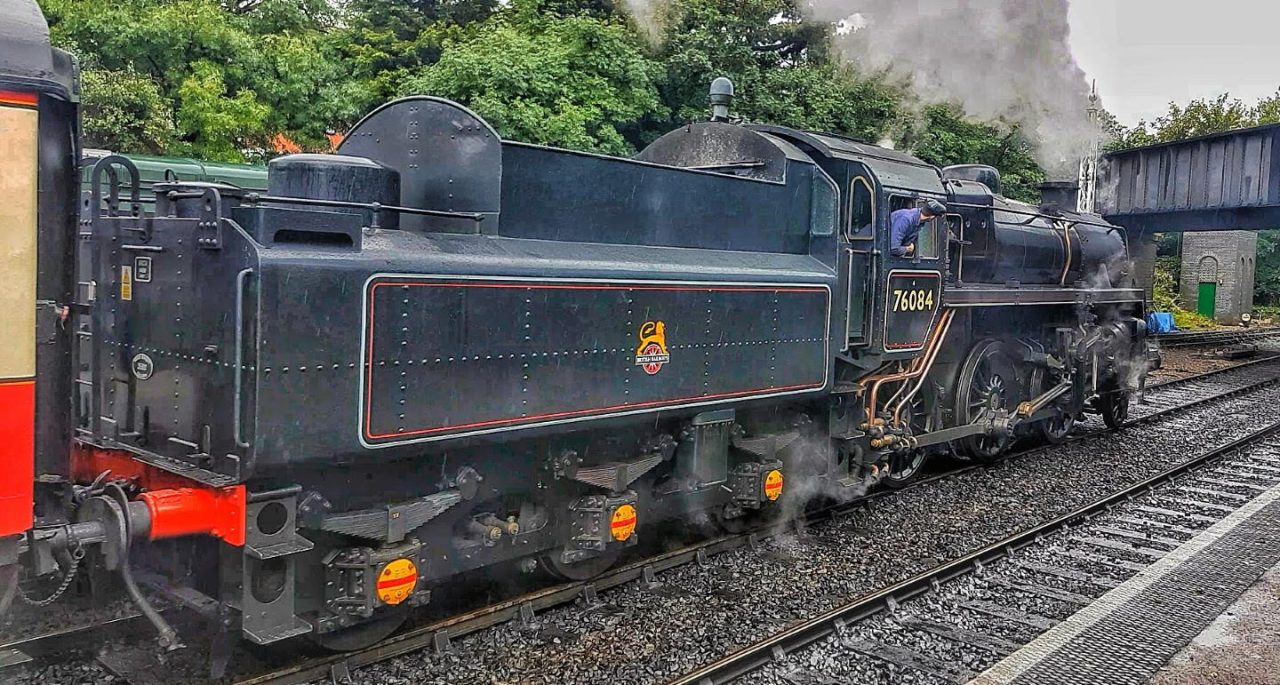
[(368, 374)]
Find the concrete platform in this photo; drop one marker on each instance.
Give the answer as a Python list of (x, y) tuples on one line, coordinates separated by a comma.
[(1241, 646), (1200, 614)]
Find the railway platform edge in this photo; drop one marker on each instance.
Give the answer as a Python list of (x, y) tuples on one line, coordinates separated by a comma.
[(1129, 634)]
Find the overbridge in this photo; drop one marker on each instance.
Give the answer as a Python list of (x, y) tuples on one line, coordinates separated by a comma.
[(1225, 183)]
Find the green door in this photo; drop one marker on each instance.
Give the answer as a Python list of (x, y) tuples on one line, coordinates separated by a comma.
[(1207, 297)]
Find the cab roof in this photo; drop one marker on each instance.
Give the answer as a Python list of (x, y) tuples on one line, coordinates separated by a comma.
[(893, 168)]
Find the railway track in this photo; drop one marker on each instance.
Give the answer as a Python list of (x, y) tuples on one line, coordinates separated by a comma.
[(953, 622), (1166, 399), (1217, 337), (438, 636)]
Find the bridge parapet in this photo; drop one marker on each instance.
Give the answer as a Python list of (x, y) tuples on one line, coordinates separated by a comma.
[(1224, 181)]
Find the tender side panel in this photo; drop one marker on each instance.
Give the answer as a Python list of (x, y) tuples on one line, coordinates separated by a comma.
[(19, 129), (446, 357)]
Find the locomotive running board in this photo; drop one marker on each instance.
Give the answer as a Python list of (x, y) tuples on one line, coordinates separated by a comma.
[(1001, 296)]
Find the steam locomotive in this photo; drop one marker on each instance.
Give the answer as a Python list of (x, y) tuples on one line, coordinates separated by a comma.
[(438, 351)]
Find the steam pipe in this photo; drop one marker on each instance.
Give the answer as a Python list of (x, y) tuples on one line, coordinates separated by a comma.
[(924, 374), (911, 371), (916, 364)]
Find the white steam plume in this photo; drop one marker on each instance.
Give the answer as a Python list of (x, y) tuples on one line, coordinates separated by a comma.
[(650, 17), (999, 59)]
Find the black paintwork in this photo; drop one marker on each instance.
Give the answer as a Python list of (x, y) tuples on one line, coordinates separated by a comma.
[(412, 340), (320, 382)]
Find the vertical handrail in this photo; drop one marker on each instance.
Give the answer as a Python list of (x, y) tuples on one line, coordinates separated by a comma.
[(96, 316), (237, 425)]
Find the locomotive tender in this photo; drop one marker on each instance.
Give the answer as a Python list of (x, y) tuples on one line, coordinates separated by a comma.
[(437, 351)]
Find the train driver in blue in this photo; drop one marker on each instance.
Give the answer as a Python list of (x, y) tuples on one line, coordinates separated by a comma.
[(904, 226)]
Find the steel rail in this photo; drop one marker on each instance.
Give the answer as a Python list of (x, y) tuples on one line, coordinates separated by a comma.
[(89, 636), (801, 635), (438, 635), (1196, 338), (1213, 372)]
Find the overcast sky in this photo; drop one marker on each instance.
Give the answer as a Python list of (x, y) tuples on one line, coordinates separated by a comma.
[(1146, 53)]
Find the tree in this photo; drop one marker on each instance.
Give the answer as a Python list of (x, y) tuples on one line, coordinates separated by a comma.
[(234, 75), (1199, 118), (384, 41), (944, 136), (124, 110), (782, 68), (240, 79), (573, 81)]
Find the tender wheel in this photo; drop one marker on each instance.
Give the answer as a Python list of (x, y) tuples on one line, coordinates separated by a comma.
[(905, 467), (1113, 405), (579, 570), (987, 382), (363, 635)]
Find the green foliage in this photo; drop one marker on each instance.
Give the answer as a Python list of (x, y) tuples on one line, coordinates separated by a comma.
[(946, 137), (221, 124), (232, 76), (1169, 244), (1266, 269), (1164, 298), (1266, 313), (1171, 265), (572, 82), (1192, 321), (1164, 288), (124, 110), (1199, 118), (243, 79)]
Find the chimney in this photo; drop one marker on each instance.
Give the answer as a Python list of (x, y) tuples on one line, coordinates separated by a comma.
[(721, 98), (1060, 196)]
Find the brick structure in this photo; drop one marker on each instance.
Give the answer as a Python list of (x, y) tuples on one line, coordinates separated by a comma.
[(1218, 266)]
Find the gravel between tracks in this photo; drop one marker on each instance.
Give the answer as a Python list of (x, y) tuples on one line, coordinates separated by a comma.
[(651, 635), (699, 613), (832, 660)]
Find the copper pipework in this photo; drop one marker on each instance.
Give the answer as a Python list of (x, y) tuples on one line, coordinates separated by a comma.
[(917, 366)]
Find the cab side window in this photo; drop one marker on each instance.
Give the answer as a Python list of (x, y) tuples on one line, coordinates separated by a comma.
[(862, 209), (927, 242)]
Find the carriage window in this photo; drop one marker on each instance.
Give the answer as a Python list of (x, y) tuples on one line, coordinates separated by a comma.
[(862, 210)]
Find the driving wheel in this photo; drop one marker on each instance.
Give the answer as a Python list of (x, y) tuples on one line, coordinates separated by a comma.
[(987, 383)]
